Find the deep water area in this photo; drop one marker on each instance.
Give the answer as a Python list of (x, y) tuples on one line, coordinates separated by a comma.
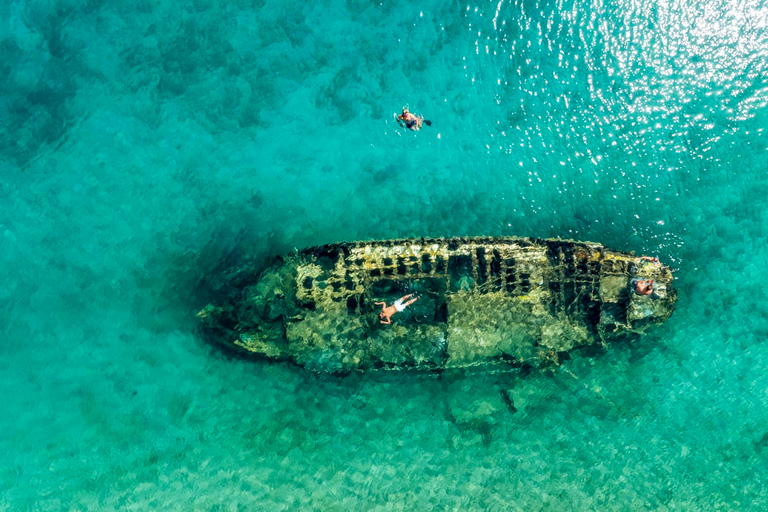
[(148, 146)]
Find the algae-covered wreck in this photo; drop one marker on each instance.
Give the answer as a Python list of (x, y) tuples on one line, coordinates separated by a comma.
[(484, 301)]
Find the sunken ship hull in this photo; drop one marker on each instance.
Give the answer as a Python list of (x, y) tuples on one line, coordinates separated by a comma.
[(483, 301)]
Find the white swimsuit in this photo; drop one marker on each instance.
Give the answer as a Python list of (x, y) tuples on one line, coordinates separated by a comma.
[(399, 306)]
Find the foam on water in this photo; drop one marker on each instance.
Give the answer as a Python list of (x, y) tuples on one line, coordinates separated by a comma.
[(148, 146)]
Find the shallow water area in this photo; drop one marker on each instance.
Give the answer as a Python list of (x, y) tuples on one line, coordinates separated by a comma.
[(150, 146)]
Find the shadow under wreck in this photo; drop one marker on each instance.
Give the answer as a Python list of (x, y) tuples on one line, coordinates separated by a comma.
[(502, 301)]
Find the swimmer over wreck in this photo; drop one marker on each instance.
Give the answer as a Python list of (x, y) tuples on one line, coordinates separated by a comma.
[(481, 301)]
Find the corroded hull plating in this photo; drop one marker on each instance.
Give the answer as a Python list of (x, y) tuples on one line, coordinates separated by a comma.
[(484, 301)]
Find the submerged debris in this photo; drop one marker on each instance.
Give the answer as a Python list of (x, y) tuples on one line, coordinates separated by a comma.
[(484, 301)]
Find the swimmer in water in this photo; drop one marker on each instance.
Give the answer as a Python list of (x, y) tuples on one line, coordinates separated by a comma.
[(398, 306), (642, 286), (411, 121)]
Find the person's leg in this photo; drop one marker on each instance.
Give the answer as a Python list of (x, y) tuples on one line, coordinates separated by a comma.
[(406, 304)]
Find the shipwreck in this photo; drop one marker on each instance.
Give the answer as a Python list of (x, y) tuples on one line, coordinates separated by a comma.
[(502, 301)]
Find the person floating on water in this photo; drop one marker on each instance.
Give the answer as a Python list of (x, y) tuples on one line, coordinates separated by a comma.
[(411, 121), (642, 286), (648, 259), (398, 306)]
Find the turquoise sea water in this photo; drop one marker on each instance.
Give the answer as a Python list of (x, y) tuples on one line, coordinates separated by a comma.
[(145, 146)]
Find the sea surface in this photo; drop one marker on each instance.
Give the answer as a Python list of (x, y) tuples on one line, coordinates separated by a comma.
[(147, 146)]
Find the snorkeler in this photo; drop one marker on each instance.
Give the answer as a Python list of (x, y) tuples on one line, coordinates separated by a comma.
[(411, 121), (398, 306)]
